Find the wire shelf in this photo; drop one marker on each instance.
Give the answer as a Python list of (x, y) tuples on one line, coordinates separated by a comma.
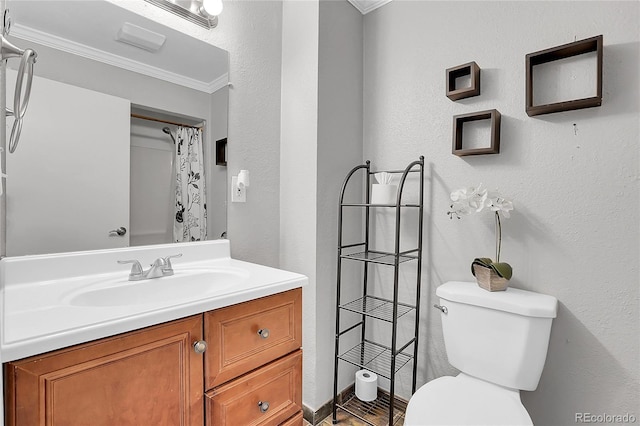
[(372, 310), (378, 257), (376, 358), (378, 205), (377, 307), (375, 412)]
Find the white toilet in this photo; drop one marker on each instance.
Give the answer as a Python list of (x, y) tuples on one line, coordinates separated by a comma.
[(498, 340)]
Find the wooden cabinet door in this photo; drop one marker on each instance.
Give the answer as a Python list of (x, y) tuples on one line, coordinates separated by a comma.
[(267, 396), (251, 334), (147, 377)]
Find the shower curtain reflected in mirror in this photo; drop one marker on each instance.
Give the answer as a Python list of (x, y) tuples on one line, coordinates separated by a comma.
[(190, 222)]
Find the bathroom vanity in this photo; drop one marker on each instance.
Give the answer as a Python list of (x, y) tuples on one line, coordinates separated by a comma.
[(221, 354)]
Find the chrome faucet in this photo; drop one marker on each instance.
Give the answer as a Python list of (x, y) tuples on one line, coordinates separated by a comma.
[(168, 269), (157, 269), (161, 267)]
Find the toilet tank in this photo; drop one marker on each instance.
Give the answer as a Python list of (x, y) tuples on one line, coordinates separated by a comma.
[(501, 337)]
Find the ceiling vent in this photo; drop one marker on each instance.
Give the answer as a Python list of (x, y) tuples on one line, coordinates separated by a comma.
[(140, 37)]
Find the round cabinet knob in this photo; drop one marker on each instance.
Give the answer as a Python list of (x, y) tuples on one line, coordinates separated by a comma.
[(264, 406), (200, 346), (263, 332)]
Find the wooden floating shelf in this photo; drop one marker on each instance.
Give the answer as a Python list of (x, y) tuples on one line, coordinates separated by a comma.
[(593, 44), (458, 123), (471, 69), (221, 152)]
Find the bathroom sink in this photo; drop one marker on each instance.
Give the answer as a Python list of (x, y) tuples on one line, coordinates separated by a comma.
[(58, 300), (183, 286)]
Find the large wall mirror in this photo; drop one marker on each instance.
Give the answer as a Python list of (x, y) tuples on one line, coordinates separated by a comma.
[(97, 154)]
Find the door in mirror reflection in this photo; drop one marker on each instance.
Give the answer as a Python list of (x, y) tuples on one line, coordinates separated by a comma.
[(69, 185)]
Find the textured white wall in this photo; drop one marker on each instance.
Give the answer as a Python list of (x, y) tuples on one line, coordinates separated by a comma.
[(217, 178), (339, 150), (321, 141), (298, 167), (251, 31), (3, 145), (573, 177)]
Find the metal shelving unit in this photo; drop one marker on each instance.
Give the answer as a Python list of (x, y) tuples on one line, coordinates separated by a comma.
[(381, 359)]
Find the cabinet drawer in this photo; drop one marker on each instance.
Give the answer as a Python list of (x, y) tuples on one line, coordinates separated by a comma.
[(236, 346), (243, 401), (296, 420)]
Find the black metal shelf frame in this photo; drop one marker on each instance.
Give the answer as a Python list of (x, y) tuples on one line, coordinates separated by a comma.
[(377, 307), (376, 358), (373, 412), (384, 258), (383, 360)]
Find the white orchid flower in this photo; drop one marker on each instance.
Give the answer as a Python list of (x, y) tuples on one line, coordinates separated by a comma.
[(474, 200), (478, 198), (471, 198), (459, 208), (459, 195), (501, 205)]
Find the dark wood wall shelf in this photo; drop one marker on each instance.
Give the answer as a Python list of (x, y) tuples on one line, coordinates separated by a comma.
[(458, 123), (221, 152), (593, 44), (471, 69)]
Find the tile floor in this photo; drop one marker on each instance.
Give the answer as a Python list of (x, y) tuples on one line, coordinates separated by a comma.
[(344, 419), (376, 412)]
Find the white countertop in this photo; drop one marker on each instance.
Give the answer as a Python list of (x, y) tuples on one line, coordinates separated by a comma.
[(34, 291)]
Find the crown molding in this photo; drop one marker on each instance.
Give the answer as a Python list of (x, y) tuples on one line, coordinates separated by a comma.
[(65, 45), (218, 83), (366, 6)]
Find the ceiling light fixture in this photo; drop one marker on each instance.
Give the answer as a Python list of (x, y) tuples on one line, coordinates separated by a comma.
[(201, 12), (211, 7)]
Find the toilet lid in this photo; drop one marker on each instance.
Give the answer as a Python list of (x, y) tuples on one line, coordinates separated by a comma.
[(464, 400)]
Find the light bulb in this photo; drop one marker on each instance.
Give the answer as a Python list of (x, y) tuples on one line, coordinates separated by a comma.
[(212, 7)]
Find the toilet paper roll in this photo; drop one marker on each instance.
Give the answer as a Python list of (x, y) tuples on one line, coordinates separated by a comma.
[(366, 385)]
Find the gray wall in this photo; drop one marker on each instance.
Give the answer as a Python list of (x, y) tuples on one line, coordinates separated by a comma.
[(3, 142), (137, 88), (3, 145), (321, 140), (340, 83), (573, 177), (217, 213), (251, 31), (298, 168)]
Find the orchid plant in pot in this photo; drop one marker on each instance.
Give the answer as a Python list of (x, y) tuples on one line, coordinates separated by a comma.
[(492, 276)]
